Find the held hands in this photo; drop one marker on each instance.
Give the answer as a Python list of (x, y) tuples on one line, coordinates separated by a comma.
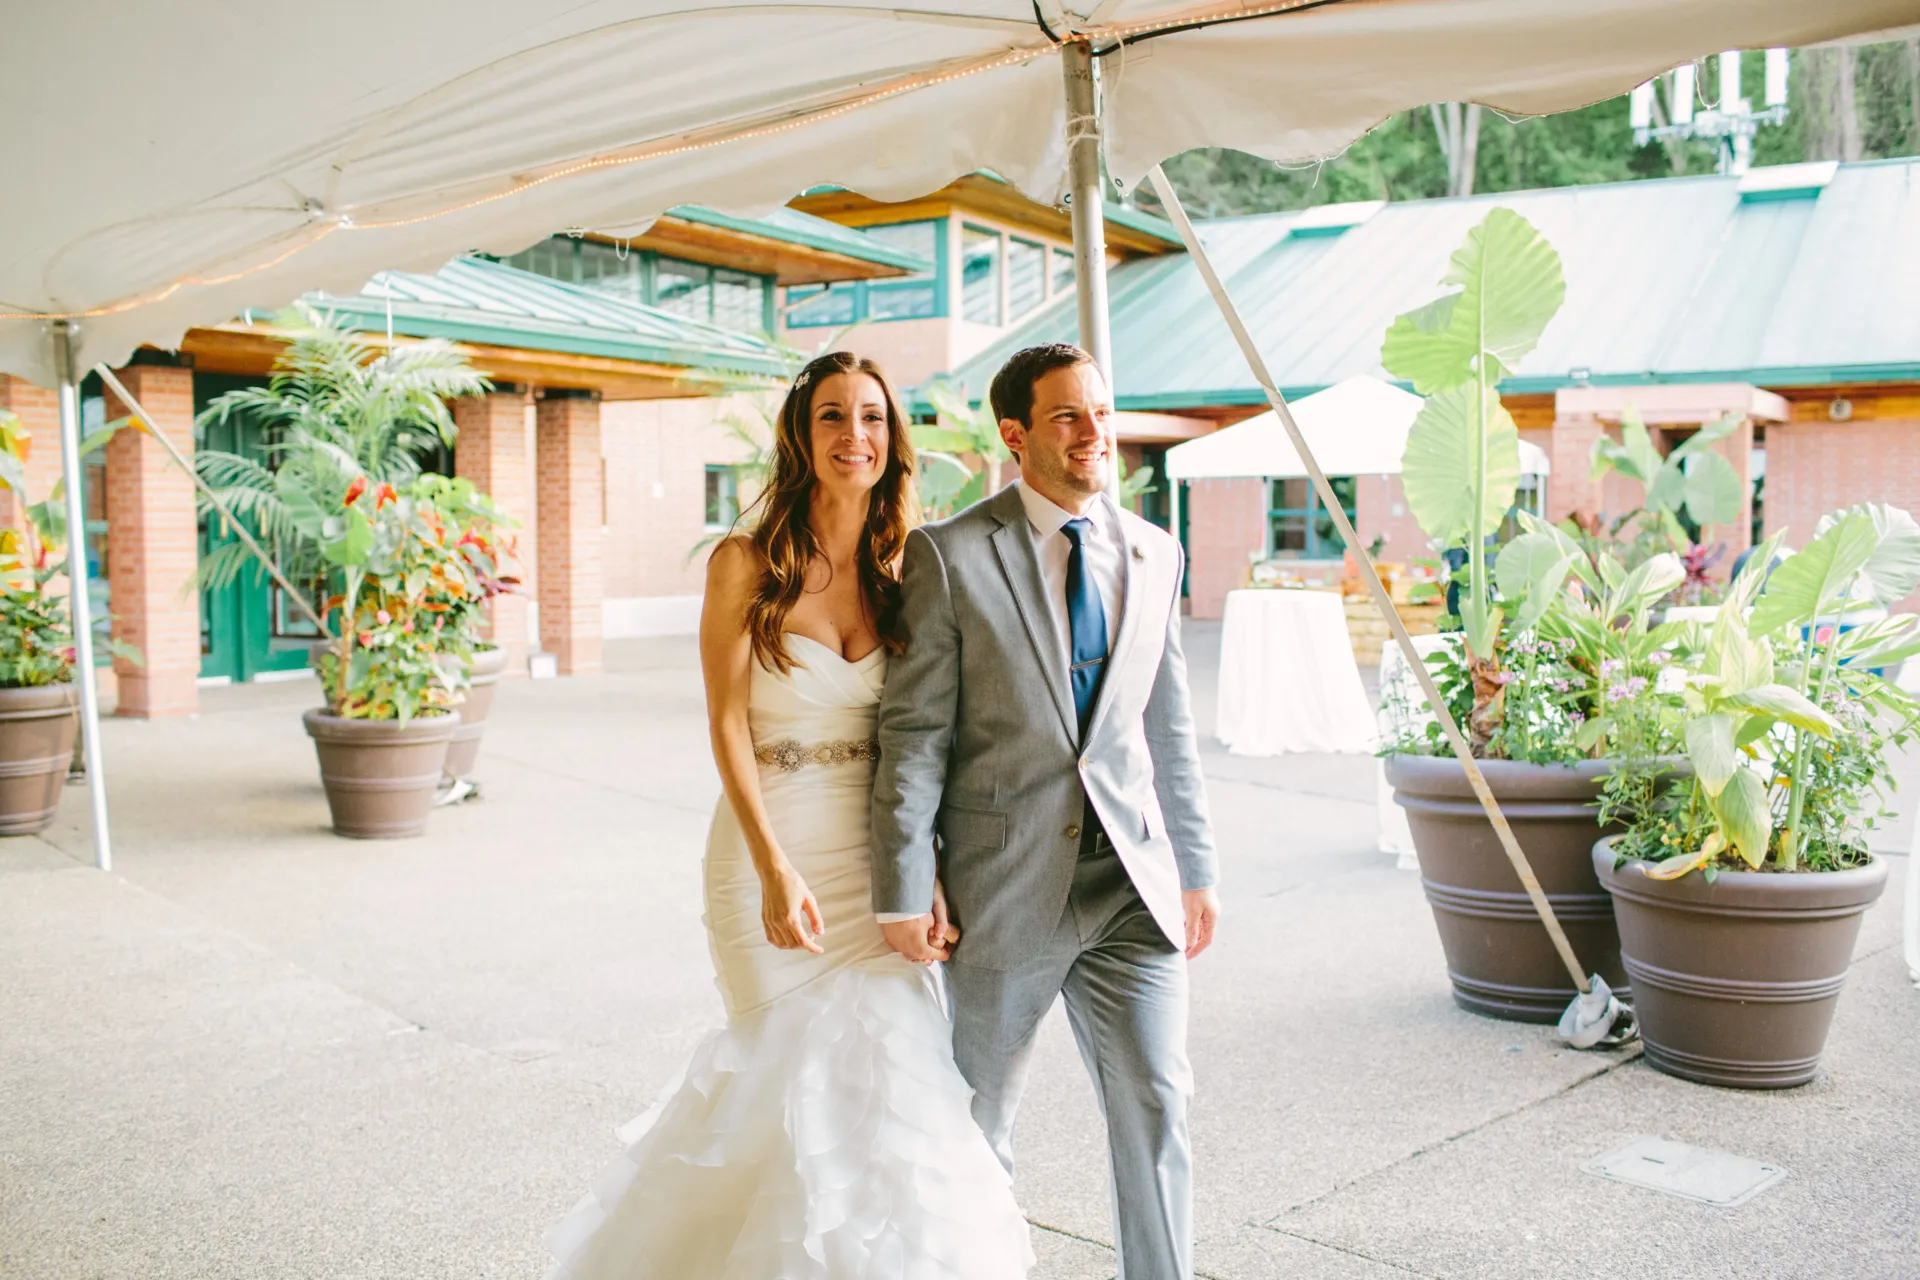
[(1202, 909), (924, 939), (789, 912)]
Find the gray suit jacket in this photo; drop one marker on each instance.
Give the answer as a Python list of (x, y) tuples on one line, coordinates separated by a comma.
[(979, 742)]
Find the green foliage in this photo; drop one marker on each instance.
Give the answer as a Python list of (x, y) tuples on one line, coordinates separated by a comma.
[(401, 648), (1789, 729), (336, 413), (1462, 461), (36, 634), (1402, 159)]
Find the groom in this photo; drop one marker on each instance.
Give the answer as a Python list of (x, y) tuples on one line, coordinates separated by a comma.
[(1037, 755)]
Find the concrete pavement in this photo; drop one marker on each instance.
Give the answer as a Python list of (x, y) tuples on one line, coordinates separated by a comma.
[(256, 1050)]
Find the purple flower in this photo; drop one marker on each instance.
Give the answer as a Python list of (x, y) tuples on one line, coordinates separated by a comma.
[(1618, 693), (1578, 717), (1506, 677), (1659, 657), (1637, 686), (1566, 644), (1559, 686), (1611, 666)]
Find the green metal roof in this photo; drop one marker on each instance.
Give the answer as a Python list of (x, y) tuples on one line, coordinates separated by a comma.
[(478, 300), (794, 227), (1669, 280)]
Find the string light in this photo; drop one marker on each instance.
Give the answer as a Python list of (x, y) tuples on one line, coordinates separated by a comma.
[(327, 225)]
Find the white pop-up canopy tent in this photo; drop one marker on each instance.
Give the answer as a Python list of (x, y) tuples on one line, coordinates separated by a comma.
[(1354, 428), (1357, 427), (227, 158)]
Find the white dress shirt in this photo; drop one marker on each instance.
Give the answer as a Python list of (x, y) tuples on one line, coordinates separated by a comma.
[(1103, 554)]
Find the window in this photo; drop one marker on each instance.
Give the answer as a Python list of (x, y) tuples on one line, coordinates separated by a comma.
[(612, 269), (552, 258), (1298, 526), (1062, 271), (723, 497), (980, 275), (682, 288), (814, 305), (739, 300), (911, 297), (1026, 277)]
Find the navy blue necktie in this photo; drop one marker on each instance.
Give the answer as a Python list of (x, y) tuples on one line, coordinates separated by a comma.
[(1086, 622)]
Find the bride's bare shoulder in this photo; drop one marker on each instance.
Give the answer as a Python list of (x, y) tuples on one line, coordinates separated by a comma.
[(735, 566)]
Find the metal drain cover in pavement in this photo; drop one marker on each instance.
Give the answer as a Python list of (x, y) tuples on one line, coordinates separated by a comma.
[(1711, 1177)]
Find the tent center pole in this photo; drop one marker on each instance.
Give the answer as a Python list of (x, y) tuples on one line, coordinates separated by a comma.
[(1086, 186), (79, 602)]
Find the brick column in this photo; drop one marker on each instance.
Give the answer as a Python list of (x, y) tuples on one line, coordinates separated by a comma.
[(1738, 450), (153, 547), (491, 451), (567, 494), (1570, 451), (1226, 522)]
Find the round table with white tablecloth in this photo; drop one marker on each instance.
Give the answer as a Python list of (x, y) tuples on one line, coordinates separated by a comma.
[(1288, 681)]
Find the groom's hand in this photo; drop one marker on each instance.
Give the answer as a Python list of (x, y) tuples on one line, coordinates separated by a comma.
[(914, 938), (1202, 907)]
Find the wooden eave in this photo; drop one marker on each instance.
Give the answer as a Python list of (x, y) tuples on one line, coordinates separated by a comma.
[(237, 348), (786, 262), (978, 195)]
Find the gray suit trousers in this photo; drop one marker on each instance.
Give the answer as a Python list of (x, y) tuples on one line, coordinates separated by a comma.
[(1126, 991)]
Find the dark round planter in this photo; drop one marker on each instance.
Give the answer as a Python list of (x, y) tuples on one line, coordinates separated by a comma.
[(380, 775), (1499, 956), (37, 728), (488, 666), (1735, 982)]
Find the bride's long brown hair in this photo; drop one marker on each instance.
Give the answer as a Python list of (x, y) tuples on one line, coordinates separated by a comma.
[(785, 539)]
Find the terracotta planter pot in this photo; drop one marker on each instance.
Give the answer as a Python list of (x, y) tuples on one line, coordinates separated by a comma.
[(380, 775), (1735, 982), (488, 666), (37, 728), (1499, 957)]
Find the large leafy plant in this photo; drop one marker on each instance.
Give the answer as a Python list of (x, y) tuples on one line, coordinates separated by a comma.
[(1691, 481), (1790, 720), (336, 412), (36, 635), (1462, 463), (405, 575), (482, 536)]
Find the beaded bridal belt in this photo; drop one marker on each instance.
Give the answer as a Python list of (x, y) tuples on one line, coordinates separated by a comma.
[(789, 756)]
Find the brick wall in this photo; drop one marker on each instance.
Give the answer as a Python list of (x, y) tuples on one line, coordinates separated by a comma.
[(39, 412), (153, 548), (1816, 467), (1226, 520), (1380, 508), (491, 450), (657, 453), (570, 512)]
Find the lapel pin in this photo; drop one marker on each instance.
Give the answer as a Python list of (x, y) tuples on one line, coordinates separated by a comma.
[(1138, 554)]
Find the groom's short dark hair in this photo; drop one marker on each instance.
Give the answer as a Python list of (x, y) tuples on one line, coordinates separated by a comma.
[(1012, 390)]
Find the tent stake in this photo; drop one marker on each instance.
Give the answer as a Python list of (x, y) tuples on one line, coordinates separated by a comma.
[(79, 603), (1381, 599)]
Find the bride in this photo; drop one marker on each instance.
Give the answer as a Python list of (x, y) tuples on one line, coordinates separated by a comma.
[(824, 1133)]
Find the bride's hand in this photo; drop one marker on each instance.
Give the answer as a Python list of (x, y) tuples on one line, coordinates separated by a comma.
[(788, 911)]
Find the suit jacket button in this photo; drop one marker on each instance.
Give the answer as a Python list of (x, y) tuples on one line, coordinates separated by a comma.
[(1073, 833)]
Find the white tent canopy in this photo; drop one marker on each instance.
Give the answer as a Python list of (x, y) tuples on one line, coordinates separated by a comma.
[(1355, 428), (172, 165)]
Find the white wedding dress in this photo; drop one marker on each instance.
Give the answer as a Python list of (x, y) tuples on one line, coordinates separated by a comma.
[(824, 1133)]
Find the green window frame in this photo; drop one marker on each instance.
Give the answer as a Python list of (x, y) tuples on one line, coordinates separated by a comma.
[(982, 275), (722, 496), (1299, 525), (921, 296), (721, 296)]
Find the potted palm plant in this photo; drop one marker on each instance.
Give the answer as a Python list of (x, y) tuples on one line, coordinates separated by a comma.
[(391, 690), (1739, 888), (39, 702), (1555, 660)]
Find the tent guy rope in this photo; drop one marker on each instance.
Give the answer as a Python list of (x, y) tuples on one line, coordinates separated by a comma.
[(1594, 1014)]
